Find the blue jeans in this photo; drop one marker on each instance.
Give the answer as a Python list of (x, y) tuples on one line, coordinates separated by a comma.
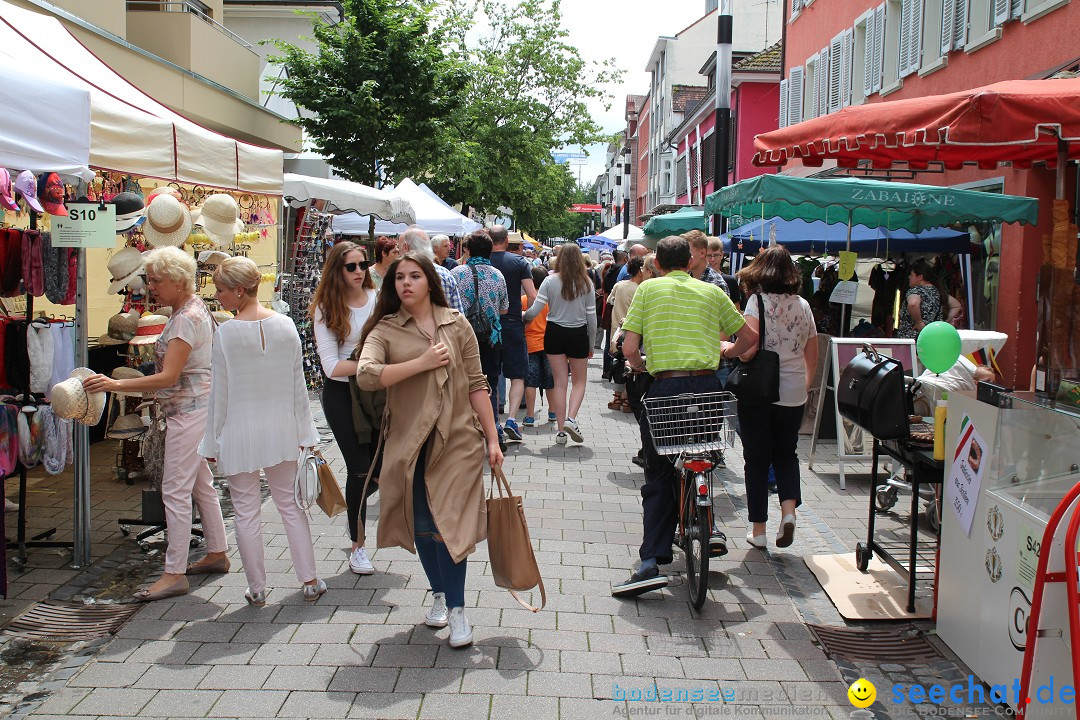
[(444, 575)]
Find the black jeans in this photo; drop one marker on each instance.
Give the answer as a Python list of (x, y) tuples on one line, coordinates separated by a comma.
[(659, 494), (770, 436), (337, 406)]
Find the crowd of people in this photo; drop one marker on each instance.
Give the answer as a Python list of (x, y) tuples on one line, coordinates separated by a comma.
[(415, 347)]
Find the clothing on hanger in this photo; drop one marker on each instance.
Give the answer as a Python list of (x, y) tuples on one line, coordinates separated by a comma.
[(39, 345)]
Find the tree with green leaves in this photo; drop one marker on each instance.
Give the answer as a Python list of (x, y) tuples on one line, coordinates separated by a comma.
[(378, 96)]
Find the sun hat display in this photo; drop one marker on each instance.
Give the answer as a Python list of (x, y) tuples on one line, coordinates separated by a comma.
[(130, 211), (126, 373), (122, 327), (71, 400), (123, 267), (126, 427), (168, 222), (150, 327), (26, 185), (51, 193), (219, 217), (7, 195), (213, 257), (164, 190)]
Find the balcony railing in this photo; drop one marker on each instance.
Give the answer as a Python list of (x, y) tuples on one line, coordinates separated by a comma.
[(193, 7)]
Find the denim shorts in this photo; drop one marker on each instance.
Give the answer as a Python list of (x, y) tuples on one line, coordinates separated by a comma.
[(539, 374)]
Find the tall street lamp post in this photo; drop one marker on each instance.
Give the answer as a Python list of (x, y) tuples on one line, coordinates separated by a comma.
[(723, 104), (626, 193)]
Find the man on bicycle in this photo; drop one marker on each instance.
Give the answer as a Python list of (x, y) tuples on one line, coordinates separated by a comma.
[(683, 324)]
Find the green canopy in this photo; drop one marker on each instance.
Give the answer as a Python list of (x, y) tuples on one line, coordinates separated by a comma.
[(680, 221), (874, 203)]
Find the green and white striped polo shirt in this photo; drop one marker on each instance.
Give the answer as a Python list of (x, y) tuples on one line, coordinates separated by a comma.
[(680, 319)]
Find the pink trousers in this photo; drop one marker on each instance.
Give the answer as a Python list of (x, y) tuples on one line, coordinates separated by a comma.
[(186, 477), (247, 505)]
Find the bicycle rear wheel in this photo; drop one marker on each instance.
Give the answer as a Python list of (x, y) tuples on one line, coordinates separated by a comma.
[(696, 529)]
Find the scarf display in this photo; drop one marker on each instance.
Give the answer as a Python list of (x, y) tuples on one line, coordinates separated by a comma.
[(58, 451), (31, 438)]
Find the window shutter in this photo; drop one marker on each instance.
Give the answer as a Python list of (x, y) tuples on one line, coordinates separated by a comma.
[(948, 12), (795, 6), (1001, 11), (868, 56), (846, 65), (795, 96), (1017, 9), (782, 119), (904, 61), (915, 46), (960, 24), (836, 51), (824, 65), (879, 44)]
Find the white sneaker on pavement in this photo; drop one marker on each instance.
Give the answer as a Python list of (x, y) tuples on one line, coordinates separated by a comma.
[(359, 563), (437, 616), (460, 630), (571, 427)]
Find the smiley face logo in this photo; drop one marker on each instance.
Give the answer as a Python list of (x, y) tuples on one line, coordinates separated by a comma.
[(862, 693)]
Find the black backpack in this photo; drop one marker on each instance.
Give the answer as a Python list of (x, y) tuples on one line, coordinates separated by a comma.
[(476, 316)]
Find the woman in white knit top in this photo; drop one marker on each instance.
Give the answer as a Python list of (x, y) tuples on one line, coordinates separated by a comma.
[(259, 419)]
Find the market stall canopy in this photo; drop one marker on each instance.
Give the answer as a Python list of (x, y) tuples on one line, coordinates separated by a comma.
[(431, 213), (62, 144), (616, 233), (597, 242), (131, 132), (874, 203), (680, 221), (800, 236), (347, 196), (1017, 121)]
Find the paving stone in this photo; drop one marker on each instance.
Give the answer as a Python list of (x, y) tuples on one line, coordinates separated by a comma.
[(444, 706), (186, 703), (386, 706), (109, 675), (406, 656), (299, 677), (234, 677), (114, 701), (248, 703), (317, 705), (364, 679), (494, 682), (283, 655), (559, 684), (180, 677)]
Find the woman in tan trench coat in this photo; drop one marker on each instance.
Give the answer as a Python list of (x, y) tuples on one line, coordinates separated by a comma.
[(437, 416)]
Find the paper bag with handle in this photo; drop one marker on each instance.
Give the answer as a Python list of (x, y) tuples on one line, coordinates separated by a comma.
[(330, 498), (510, 550)]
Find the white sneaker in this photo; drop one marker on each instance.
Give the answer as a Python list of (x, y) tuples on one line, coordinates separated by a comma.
[(314, 592), (786, 536), (10, 506), (359, 563), (460, 630), (571, 427), (561, 438), (437, 615)]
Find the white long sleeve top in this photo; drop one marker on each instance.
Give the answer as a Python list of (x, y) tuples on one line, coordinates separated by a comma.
[(333, 349), (259, 412)]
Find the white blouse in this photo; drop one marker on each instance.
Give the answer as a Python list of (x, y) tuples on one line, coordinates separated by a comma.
[(259, 412), (332, 349)]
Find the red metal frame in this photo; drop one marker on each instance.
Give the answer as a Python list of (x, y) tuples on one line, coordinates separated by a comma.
[(1071, 578)]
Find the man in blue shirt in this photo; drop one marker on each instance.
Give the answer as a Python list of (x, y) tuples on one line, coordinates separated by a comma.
[(513, 354), (636, 250)]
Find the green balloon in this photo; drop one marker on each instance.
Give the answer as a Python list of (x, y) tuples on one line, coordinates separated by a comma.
[(939, 346)]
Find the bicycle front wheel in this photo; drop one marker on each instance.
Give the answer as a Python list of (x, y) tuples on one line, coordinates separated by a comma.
[(696, 528)]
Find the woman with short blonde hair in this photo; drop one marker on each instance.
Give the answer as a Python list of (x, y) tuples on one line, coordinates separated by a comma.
[(249, 429), (182, 384)]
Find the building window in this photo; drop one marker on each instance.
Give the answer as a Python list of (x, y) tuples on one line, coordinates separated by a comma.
[(862, 80), (796, 6), (839, 75), (813, 87), (980, 23)]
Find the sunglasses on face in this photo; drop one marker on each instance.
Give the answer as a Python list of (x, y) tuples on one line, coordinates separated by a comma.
[(351, 267)]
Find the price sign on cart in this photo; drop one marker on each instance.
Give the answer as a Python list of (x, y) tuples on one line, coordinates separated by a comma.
[(87, 225)]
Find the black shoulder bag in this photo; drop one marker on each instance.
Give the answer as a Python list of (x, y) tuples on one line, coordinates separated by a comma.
[(757, 382), (477, 319)]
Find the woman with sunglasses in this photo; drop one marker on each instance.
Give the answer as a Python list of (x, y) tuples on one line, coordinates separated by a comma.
[(342, 303), (438, 415)]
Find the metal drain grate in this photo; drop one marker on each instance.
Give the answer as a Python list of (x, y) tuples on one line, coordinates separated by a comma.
[(902, 645), (70, 622)]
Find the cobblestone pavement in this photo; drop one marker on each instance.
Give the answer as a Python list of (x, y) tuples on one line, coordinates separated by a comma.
[(362, 650)]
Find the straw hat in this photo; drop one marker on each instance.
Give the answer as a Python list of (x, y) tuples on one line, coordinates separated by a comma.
[(219, 217), (123, 266), (126, 373), (70, 399), (168, 222), (126, 427), (122, 327), (213, 257), (149, 329), (221, 316)]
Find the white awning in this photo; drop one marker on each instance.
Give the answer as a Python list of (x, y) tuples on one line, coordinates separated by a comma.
[(432, 214), (46, 124), (130, 131), (347, 196)]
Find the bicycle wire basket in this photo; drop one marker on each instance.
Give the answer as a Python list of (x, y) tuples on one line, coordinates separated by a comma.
[(691, 422)]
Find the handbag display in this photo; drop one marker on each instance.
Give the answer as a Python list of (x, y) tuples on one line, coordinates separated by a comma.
[(306, 487), (510, 550), (872, 394), (330, 498), (757, 381)]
